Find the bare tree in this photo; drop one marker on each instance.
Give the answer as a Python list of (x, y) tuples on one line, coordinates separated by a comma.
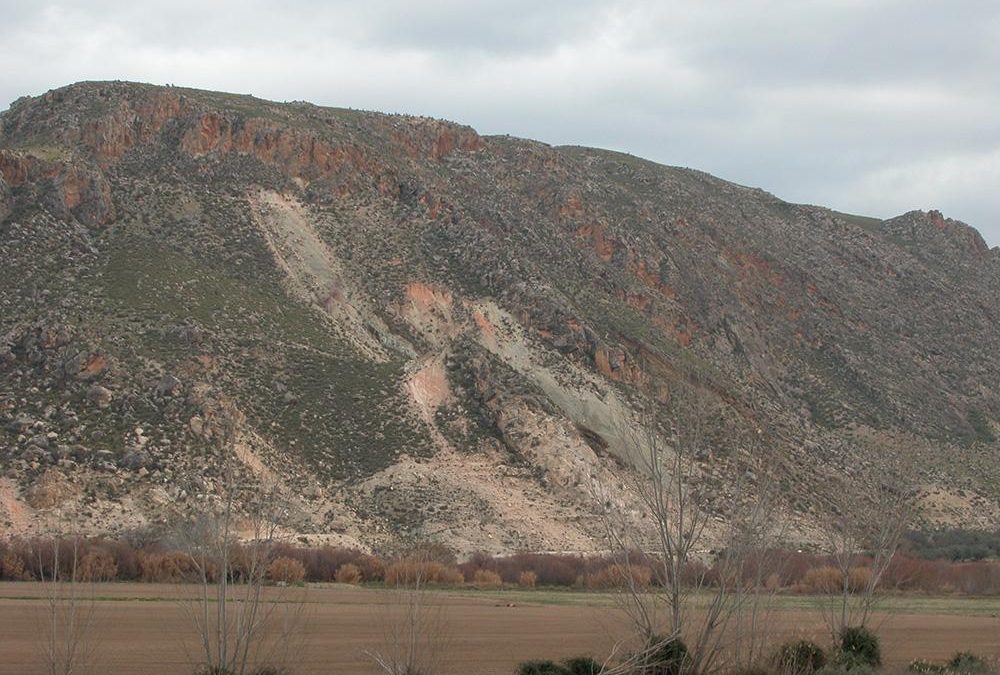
[(241, 624), (669, 532), (66, 629), (755, 528), (416, 633), (871, 512)]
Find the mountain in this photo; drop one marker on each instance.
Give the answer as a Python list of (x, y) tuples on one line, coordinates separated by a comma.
[(414, 330)]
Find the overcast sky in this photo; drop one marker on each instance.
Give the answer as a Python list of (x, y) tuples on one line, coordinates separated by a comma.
[(868, 106)]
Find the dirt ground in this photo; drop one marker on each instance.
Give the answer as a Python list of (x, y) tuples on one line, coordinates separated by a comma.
[(144, 628)]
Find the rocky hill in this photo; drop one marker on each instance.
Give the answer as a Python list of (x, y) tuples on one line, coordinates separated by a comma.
[(412, 329)]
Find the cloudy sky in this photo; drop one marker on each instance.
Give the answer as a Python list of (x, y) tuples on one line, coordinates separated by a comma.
[(869, 106)]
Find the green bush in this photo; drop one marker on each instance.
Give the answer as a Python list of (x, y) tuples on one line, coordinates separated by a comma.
[(962, 663), (967, 662), (801, 657), (666, 656), (262, 670), (859, 646), (847, 667), (541, 668), (582, 665)]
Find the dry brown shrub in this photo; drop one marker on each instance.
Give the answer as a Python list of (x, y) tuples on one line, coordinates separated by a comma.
[(858, 578), (616, 576), (372, 568), (171, 568), (527, 579), (825, 579), (408, 572), (12, 567), (286, 570), (349, 573), (487, 579), (98, 565)]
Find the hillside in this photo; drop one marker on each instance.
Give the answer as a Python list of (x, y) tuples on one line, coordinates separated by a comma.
[(415, 330)]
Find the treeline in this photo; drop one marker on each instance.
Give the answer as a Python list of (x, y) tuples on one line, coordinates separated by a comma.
[(101, 559), (953, 544)]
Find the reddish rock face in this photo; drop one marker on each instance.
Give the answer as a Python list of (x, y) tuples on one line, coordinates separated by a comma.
[(13, 168), (448, 140), (615, 363), (595, 235), (81, 190), (298, 154)]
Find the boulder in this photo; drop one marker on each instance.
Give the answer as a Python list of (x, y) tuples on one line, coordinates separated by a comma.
[(100, 396)]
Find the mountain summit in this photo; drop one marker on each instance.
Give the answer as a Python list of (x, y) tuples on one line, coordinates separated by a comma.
[(417, 331)]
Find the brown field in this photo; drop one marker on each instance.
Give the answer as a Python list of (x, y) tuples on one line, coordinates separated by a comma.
[(141, 628)]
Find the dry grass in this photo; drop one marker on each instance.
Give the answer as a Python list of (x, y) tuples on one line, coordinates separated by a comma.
[(541, 624)]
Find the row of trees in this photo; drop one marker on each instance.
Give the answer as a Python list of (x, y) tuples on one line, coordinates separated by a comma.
[(790, 571)]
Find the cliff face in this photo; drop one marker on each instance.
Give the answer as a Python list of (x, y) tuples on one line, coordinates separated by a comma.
[(413, 329)]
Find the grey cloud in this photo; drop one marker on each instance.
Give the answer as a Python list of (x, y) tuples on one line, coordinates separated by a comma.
[(874, 106)]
